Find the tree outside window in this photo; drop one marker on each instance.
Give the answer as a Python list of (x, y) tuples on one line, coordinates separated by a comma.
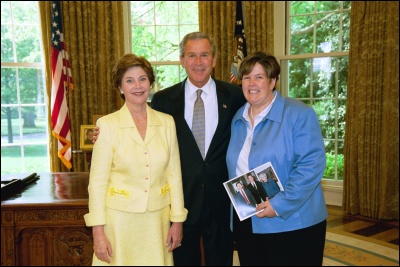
[(24, 127), (316, 63), (157, 29)]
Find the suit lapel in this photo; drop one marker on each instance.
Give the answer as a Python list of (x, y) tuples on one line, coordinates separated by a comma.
[(183, 130), (224, 111), (152, 122), (184, 133), (126, 122), (178, 107)]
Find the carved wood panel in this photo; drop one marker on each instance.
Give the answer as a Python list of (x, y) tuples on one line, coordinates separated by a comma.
[(44, 246)]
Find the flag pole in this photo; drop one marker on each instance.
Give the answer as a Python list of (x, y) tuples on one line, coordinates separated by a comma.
[(240, 49)]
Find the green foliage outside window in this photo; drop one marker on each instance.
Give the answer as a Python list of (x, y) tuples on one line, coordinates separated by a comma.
[(321, 82), (24, 144), (157, 29)]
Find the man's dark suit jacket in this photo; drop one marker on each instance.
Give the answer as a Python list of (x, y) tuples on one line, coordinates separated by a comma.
[(258, 193), (242, 208), (203, 179)]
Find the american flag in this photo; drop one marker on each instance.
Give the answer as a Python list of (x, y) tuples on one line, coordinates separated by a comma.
[(62, 83), (240, 50)]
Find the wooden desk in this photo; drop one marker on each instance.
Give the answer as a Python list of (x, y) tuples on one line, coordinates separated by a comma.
[(43, 224)]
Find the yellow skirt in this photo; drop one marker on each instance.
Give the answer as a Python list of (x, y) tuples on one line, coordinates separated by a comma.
[(138, 238)]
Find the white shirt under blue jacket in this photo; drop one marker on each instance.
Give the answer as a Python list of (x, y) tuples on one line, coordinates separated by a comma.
[(289, 136)]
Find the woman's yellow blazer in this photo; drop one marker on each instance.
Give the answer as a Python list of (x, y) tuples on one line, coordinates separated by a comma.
[(135, 175)]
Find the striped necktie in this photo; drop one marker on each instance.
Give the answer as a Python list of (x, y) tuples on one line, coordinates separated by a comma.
[(244, 196), (198, 124)]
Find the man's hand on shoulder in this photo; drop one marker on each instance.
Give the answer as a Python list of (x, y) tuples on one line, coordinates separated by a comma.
[(96, 132)]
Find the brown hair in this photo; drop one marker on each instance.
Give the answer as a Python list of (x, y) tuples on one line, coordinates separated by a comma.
[(197, 36), (267, 61), (126, 62)]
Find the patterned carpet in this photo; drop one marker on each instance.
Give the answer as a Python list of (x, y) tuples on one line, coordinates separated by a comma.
[(347, 249)]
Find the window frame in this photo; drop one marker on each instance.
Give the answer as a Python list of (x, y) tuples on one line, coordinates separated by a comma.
[(24, 142), (282, 53), (155, 64)]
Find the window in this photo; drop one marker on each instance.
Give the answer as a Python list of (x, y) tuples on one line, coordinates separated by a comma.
[(24, 125), (157, 29), (314, 69)]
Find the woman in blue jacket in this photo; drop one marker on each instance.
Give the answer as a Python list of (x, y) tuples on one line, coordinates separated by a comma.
[(272, 128)]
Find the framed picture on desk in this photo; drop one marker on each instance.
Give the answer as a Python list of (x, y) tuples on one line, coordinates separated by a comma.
[(86, 137)]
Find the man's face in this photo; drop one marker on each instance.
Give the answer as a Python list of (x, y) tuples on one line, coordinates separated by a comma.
[(89, 135), (198, 61)]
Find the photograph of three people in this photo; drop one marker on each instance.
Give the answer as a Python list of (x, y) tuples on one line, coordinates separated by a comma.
[(252, 188)]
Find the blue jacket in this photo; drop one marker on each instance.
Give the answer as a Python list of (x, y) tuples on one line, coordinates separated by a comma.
[(290, 138)]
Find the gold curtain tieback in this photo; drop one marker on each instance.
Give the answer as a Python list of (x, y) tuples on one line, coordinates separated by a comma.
[(165, 190)]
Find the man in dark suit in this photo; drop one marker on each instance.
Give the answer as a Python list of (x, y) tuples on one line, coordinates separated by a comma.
[(256, 189), (205, 196), (244, 201)]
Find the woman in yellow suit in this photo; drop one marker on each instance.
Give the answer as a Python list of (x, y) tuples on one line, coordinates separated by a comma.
[(136, 206)]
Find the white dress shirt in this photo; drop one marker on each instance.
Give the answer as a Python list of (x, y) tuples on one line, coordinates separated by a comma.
[(209, 97), (243, 160)]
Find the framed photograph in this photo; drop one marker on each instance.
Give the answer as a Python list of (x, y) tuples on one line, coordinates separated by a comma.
[(95, 118), (86, 137)]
